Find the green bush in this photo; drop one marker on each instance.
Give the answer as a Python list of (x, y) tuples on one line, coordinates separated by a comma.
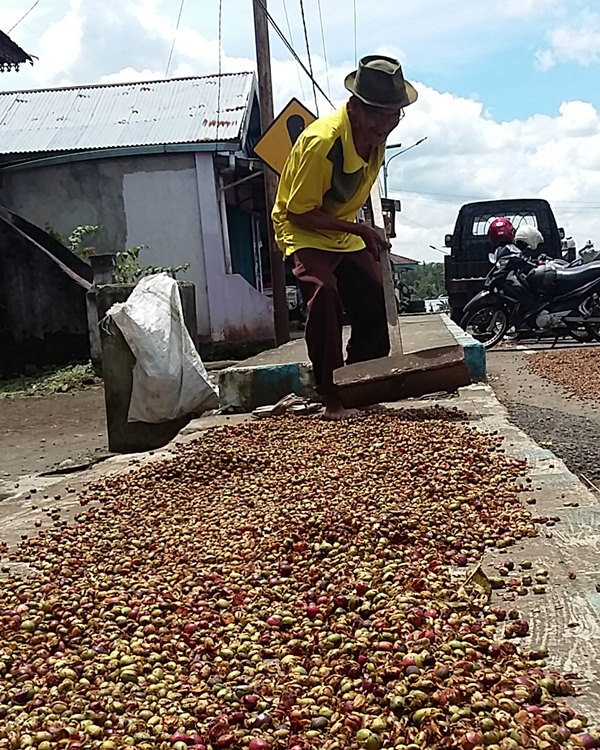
[(128, 269)]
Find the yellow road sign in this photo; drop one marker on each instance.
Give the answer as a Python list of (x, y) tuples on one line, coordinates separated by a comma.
[(277, 141)]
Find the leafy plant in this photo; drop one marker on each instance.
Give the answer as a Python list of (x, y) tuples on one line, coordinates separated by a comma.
[(78, 235), (53, 232), (128, 269), (49, 380), (76, 239)]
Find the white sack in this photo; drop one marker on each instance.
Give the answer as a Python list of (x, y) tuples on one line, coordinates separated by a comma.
[(169, 379)]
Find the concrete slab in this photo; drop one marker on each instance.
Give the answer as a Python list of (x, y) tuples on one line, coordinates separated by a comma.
[(269, 376), (474, 352), (420, 330), (565, 620)]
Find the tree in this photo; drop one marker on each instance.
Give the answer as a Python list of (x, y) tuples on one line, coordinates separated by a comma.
[(426, 280)]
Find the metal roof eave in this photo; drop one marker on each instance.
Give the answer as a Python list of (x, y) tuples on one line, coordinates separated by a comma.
[(107, 153), (252, 99), (11, 54)]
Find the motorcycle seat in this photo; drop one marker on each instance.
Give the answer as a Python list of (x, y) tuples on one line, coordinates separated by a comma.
[(568, 279)]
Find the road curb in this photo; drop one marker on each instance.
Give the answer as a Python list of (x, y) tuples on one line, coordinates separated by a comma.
[(474, 351), (245, 388)]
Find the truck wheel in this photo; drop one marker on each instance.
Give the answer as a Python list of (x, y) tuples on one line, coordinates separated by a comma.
[(456, 314)]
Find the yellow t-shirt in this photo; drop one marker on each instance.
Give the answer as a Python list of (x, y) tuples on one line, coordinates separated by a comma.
[(324, 171)]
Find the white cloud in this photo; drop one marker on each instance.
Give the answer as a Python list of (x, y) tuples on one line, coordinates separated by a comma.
[(578, 41), (58, 56), (525, 9)]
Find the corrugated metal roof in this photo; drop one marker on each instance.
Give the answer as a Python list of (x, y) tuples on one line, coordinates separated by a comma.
[(174, 111), (402, 260)]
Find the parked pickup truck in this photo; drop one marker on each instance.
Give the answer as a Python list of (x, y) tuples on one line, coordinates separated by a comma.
[(467, 265)]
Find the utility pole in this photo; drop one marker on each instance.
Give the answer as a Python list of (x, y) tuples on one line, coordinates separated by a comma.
[(265, 95)]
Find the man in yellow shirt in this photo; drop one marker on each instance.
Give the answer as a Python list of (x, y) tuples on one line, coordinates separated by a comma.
[(325, 182)]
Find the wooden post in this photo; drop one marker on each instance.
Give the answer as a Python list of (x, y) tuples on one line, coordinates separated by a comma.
[(265, 94), (389, 295)]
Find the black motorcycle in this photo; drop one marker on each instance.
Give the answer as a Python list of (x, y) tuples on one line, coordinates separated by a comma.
[(523, 296)]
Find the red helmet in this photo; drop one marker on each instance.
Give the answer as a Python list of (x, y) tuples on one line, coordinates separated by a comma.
[(501, 232)]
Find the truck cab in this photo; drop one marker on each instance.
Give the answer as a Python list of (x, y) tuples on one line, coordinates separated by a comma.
[(467, 265)]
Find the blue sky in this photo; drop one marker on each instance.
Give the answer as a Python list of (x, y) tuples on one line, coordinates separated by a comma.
[(512, 87), (509, 94)]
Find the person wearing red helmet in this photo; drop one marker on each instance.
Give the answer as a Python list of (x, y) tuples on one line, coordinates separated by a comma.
[(501, 235), (501, 232)]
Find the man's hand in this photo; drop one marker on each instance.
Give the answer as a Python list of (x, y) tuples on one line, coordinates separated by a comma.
[(374, 239)]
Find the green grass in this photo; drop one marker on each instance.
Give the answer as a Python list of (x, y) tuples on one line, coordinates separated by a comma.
[(49, 380)]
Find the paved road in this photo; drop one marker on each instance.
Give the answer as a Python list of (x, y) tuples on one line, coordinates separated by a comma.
[(565, 424)]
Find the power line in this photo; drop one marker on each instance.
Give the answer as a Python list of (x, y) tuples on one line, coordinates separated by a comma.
[(289, 26), (292, 51), (324, 48), (24, 16), (174, 38), (355, 34), (452, 197), (220, 43), (404, 217), (310, 67)]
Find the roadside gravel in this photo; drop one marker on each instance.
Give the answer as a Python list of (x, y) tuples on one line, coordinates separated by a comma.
[(548, 411)]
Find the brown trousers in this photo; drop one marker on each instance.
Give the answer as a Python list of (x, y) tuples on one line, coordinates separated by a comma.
[(333, 283)]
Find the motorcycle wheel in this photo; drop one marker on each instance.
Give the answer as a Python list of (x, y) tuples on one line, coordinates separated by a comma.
[(487, 324), (587, 332), (512, 334), (585, 335)]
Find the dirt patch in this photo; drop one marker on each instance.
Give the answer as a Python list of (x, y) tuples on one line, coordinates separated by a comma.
[(40, 434), (576, 370)]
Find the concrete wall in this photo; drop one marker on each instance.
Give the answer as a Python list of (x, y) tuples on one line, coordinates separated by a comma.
[(161, 212), (67, 195), (168, 202)]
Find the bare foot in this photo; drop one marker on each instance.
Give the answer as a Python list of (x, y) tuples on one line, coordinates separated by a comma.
[(338, 413), (335, 410), (373, 408)]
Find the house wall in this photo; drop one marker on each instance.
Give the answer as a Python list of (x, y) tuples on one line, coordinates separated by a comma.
[(238, 312), (167, 202), (161, 212), (67, 195)]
